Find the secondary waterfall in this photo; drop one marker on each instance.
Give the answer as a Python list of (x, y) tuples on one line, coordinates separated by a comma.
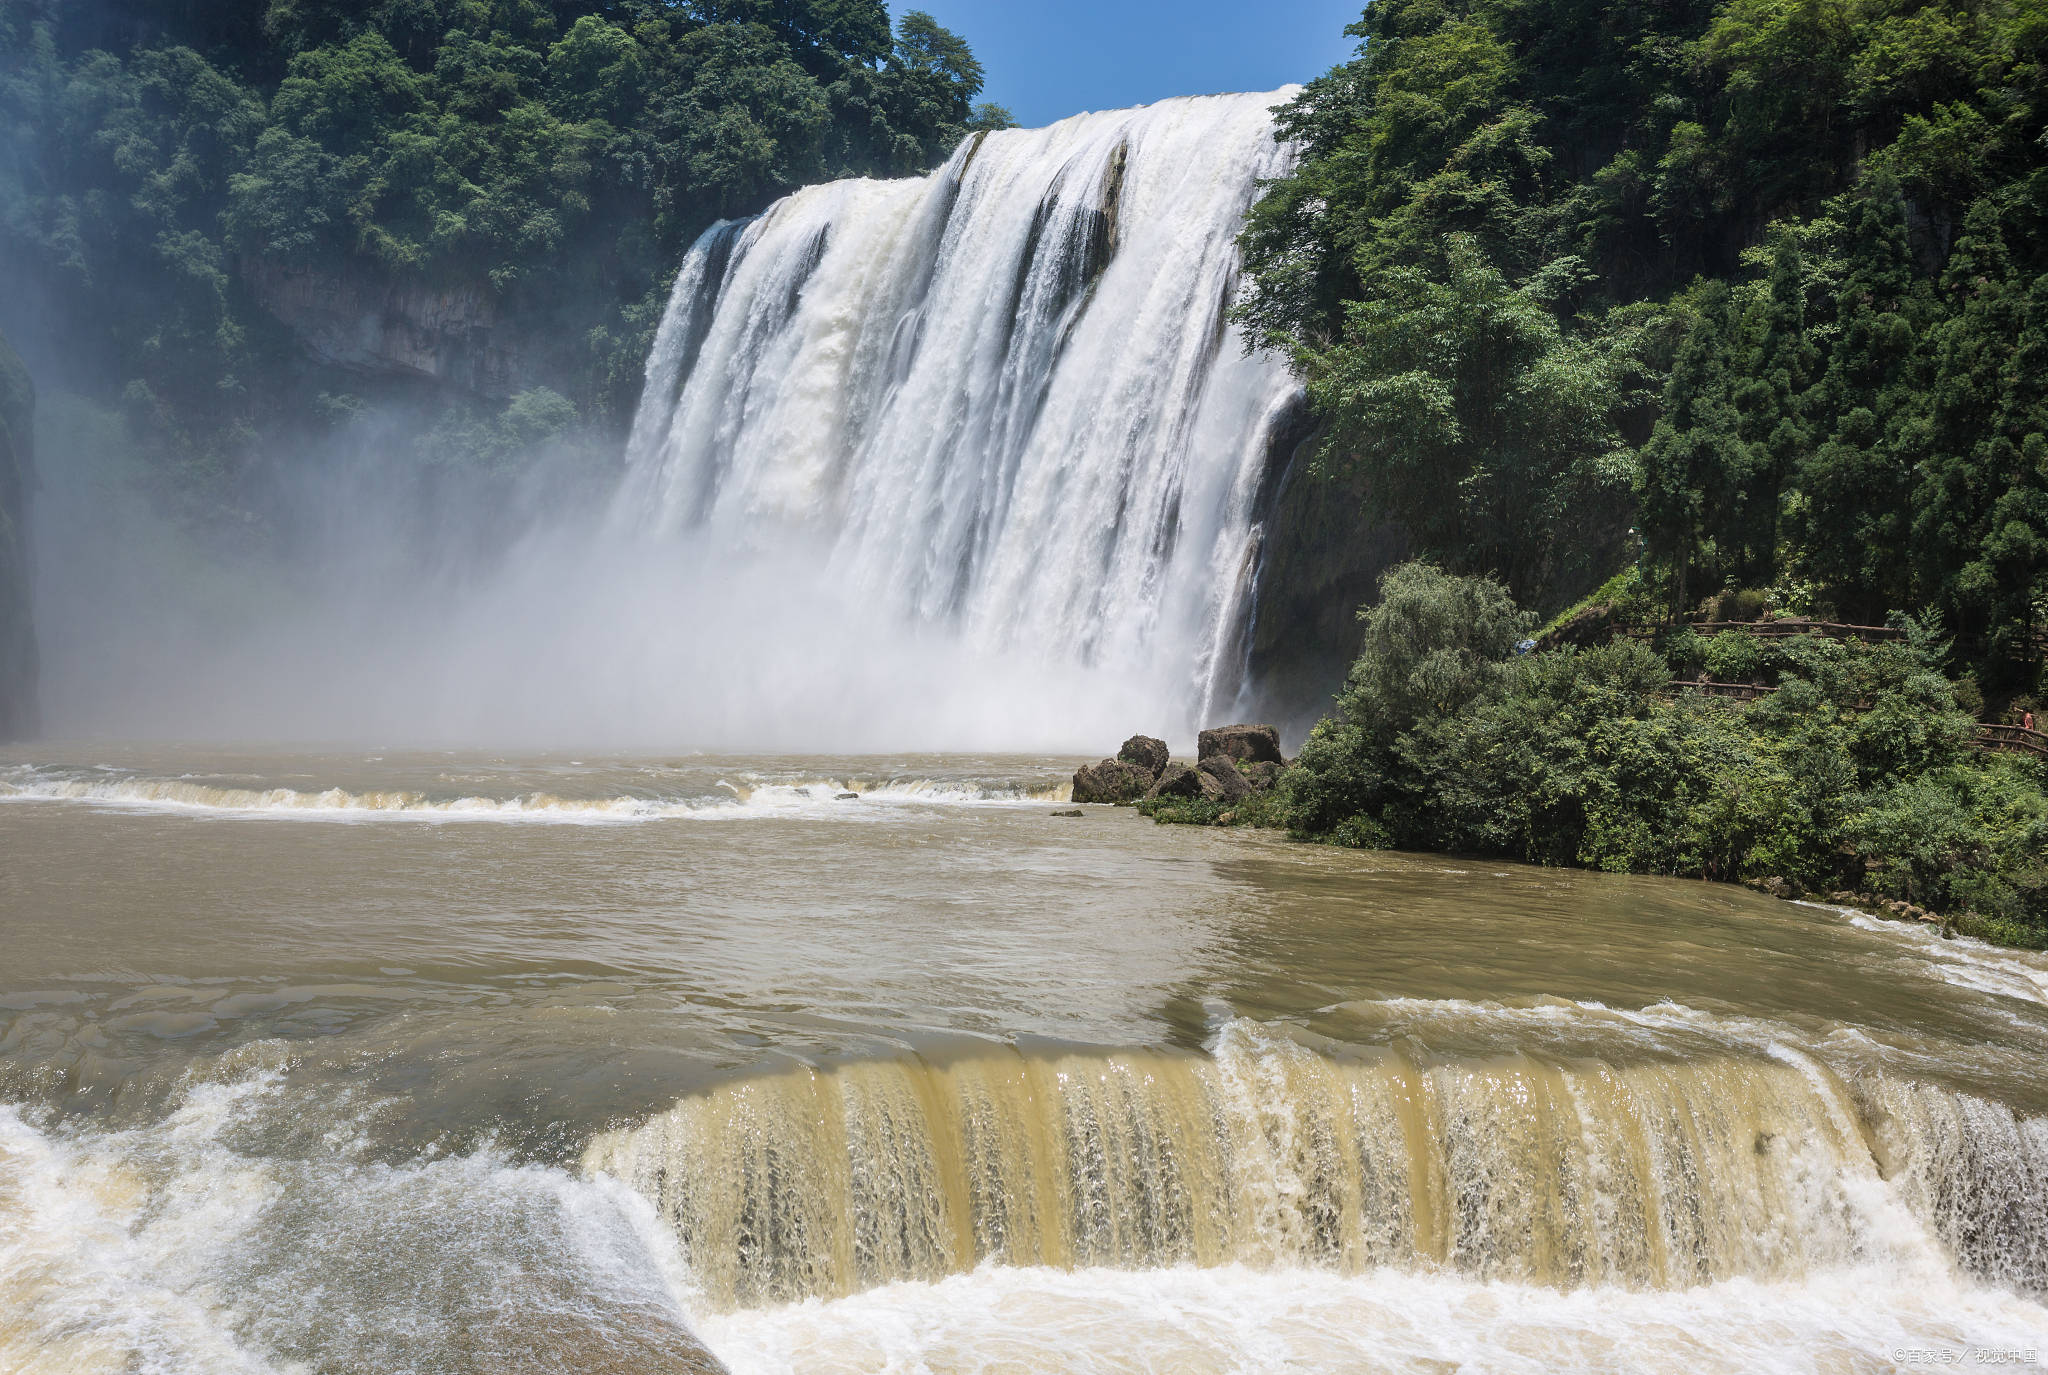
[(1656, 1174), (1002, 403)]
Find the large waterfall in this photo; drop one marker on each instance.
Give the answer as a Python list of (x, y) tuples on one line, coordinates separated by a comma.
[(1001, 406)]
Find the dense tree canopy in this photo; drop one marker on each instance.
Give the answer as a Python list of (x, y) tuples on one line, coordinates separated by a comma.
[(1853, 771), (1788, 257), (555, 154)]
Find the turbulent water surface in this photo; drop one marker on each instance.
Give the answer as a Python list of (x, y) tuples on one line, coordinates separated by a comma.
[(462, 1062)]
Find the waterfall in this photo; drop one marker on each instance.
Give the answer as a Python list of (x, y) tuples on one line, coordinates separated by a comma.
[(1651, 1174), (1002, 404)]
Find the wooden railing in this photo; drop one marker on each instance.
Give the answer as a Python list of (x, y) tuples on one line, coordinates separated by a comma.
[(1993, 739), (1741, 692), (1779, 630), (2012, 740)]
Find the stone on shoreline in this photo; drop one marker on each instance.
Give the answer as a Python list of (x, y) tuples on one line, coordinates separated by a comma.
[(1234, 786), (1245, 744), (1187, 784), (1112, 780), (1147, 753)]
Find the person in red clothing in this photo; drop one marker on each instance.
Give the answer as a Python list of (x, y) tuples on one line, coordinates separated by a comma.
[(2028, 722)]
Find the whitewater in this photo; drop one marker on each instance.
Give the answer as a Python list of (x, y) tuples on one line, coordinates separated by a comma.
[(969, 461)]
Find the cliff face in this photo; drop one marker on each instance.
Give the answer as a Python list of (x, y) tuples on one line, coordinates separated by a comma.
[(358, 318), (1319, 566), (17, 480)]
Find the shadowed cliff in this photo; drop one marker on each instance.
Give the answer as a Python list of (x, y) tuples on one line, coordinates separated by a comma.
[(17, 478)]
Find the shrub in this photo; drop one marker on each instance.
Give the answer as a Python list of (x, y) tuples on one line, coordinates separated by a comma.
[(1856, 771)]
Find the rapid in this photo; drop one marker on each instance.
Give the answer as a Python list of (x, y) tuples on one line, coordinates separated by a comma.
[(456, 1061)]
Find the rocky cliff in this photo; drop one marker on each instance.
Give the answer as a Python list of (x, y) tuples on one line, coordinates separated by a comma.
[(17, 480), (361, 319), (1319, 565)]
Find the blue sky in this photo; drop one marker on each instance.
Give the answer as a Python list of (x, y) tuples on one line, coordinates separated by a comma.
[(1047, 59)]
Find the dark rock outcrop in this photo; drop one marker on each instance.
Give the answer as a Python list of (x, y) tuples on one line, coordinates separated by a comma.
[(1180, 781), (1243, 744), (1262, 775), (17, 481), (1127, 777), (368, 321), (1234, 786), (1318, 564), (1112, 780), (1147, 753)]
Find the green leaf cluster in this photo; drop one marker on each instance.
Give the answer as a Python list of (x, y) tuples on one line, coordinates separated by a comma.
[(1763, 279)]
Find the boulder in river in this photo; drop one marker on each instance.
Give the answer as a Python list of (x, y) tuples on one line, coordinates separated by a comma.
[(1113, 780), (1183, 782), (1262, 775), (1244, 744), (1147, 753), (1234, 786)]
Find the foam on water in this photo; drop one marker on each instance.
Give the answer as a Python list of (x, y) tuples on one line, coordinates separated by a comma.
[(176, 1248), (742, 797), (1245, 1321), (1970, 963)]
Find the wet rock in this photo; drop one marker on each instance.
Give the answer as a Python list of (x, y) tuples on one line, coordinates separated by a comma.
[(1147, 753), (1262, 775), (1774, 886), (1071, 811), (849, 797), (1183, 782), (1112, 780), (1243, 744), (1232, 784)]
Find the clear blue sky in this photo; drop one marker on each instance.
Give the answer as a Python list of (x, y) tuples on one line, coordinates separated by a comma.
[(1047, 59)]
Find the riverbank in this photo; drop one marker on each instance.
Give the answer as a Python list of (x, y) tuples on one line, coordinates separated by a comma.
[(1851, 772)]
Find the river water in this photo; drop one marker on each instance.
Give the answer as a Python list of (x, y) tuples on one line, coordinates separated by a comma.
[(460, 1062)]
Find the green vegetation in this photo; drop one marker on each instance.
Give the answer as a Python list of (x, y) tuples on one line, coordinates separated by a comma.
[(1761, 278), (534, 167), (1856, 773)]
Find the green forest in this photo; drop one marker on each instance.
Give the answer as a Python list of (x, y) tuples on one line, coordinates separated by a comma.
[(1707, 309), (1761, 279), (169, 171)]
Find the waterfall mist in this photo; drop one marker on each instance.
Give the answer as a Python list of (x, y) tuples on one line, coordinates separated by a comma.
[(967, 461)]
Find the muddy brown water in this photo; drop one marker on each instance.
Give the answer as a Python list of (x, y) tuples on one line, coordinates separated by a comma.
[(463, 1062)]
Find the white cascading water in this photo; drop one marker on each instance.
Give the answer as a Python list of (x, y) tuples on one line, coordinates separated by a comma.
[(1002, 404)]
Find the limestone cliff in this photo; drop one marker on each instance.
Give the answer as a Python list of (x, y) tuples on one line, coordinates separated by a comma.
[(17, 480), (1319, 565), (359, 318)]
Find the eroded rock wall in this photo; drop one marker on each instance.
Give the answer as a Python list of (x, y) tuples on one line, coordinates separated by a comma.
[(17, 482)]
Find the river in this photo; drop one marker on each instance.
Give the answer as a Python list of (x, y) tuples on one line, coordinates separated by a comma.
[(467, 1062)]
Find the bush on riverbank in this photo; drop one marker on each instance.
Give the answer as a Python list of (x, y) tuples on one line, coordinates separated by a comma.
[(1856, 773)]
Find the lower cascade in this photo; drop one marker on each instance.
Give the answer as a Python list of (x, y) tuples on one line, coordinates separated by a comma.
[(1653, 1175), (1003, 402)]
